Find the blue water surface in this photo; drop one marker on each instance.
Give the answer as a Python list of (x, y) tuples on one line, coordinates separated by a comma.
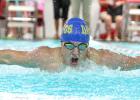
[(91, 82)]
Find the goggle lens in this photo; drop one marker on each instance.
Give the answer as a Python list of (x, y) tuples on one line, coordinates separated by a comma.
[(69, 46), (81, 46)]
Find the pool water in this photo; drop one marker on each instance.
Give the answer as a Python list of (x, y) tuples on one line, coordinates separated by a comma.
[(91, 82)]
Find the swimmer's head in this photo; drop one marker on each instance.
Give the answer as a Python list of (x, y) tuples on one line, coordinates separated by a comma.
[(75, 30), (75, 39)]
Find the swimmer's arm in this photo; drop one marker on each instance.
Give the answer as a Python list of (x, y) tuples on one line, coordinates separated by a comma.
[(13, 57), (114, 60)]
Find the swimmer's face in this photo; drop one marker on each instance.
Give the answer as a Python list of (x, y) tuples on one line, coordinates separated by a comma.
[(74, 53)]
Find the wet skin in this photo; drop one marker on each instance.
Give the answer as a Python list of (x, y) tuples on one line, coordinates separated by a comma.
[(53, 59)]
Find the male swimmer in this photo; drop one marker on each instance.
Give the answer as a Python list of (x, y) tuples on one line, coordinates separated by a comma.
[(73, 51)]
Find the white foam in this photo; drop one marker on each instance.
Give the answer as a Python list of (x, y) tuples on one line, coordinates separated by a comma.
[(17, 96), (16, 69)]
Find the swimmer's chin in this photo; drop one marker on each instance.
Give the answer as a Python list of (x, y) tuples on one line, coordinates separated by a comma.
[(74, 65)]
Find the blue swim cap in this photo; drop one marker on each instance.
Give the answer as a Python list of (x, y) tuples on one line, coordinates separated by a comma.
[(75, 30)]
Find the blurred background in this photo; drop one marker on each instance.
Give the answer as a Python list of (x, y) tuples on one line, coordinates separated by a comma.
[(108, 20)]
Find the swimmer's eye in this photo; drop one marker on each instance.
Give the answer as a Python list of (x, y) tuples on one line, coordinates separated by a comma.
[(70, 46), (82, 46)]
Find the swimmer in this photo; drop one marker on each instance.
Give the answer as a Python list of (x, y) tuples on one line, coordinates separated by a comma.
[(73, 51)]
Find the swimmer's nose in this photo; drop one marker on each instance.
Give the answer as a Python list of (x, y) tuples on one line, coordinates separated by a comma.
[(75, 52)]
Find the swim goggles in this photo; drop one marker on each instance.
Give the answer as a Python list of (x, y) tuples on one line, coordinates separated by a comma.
[(70, 46)]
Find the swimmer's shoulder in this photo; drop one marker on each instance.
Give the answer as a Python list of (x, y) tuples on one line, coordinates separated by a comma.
[(43, 48), (93, 52), (46, 49)]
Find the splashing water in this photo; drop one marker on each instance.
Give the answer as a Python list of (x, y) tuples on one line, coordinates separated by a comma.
[(89, 82)]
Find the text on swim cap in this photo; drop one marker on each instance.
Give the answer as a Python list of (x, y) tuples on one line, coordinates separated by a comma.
[(68, 29)]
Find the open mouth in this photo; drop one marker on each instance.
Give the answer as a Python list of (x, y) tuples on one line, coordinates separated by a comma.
[(74, 61)]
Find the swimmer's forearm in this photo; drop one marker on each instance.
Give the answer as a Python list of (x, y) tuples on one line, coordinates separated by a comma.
[(16, 57), (115, 60), (128, 63), (124, 62), (137, 63)]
